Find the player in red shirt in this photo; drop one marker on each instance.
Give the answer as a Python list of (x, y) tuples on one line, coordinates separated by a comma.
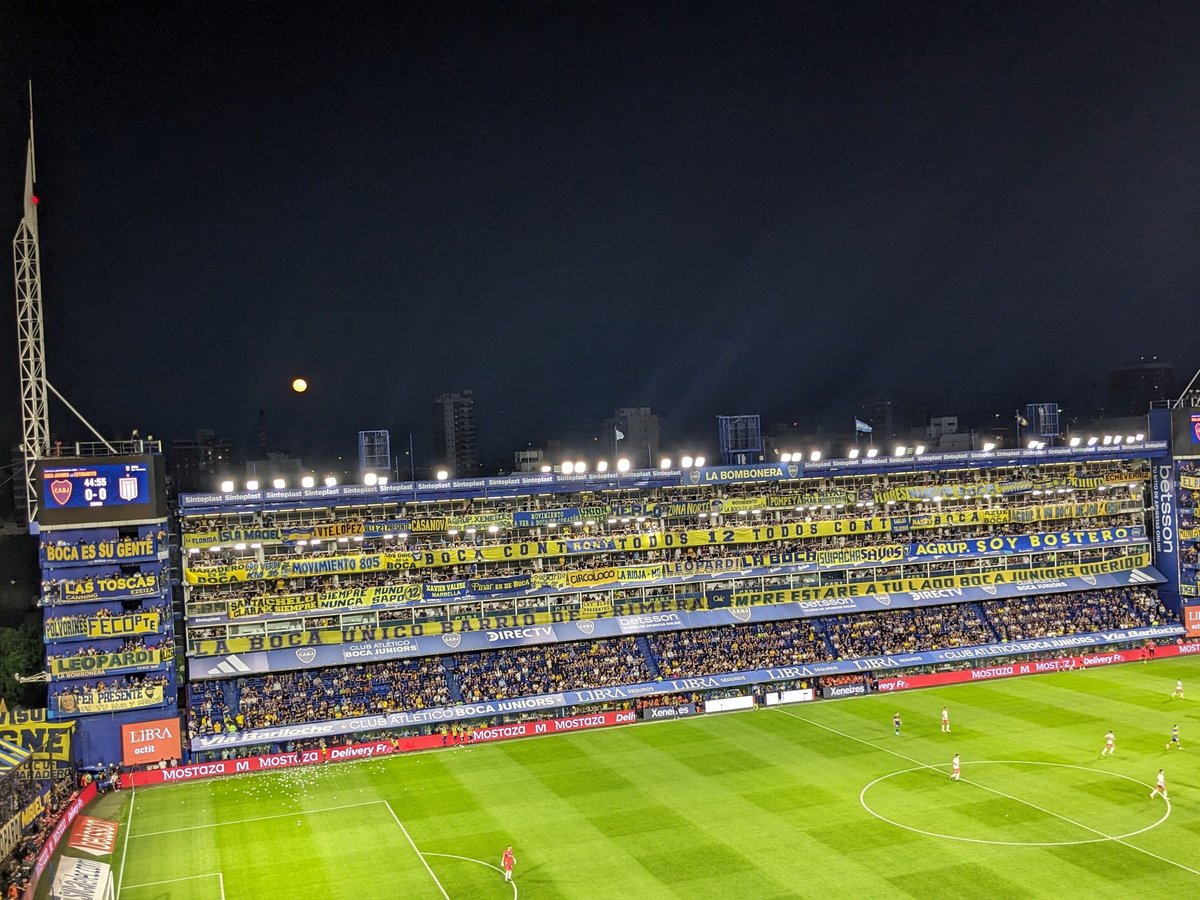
[(507, 861)]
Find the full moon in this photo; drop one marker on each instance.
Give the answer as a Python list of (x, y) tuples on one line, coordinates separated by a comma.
[(299, 385)]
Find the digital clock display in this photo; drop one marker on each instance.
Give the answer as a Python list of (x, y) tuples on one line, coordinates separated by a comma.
[(96, 486), (79, 491)]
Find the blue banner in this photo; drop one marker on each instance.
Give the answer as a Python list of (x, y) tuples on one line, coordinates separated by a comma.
[(101, 547), (292, 650), (1166, 522), (310, 730)]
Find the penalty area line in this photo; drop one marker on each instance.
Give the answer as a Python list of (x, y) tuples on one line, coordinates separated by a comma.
[(1040, 809), (420, 855)]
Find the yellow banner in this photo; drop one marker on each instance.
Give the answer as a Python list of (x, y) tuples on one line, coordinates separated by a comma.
[(49, 741), (112, 700), (1190, 482), (1189, 534), (341, 598), (99, 663), (140, 584), (977, 579), (306, 566), (298, 639), (102, 626)]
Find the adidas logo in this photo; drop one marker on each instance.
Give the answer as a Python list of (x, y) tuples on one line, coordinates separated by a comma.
[(231, 665), (1137, 576)]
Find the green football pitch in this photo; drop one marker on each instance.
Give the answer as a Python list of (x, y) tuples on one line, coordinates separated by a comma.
[(812, 800)]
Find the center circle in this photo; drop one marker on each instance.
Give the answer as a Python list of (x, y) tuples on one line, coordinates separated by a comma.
[(1101, 838)]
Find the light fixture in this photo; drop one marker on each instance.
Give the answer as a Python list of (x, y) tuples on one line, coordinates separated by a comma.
[(1139, 437), (1033, 445), (382, 480), (602, 466), (580, 467), (872, 452), (699, 461), (227, 486), (686, 462), (1075, 441), (920, 448), (815, 456), (442, 475), (567, 468), (989, 447), (252, 485), (853, 453), (1107, 440), (785, 457), (900, 451), (547, 470), (307, 481), (1093, 441), (370, 479), (664, 463), (622, 465), (330, 481)]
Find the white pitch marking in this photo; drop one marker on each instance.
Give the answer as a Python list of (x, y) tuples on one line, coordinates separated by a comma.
[(216, 875), (999, 793), (474, 860), (125, 851), (424, 861), (862, 799)]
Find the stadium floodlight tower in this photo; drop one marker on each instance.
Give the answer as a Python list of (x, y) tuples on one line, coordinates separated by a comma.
[(741, 439), (31, 341)]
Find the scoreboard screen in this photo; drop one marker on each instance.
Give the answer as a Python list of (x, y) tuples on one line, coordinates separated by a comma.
[(104, 489)]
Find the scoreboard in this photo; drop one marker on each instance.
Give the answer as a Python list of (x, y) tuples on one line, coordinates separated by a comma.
[(104, 489)]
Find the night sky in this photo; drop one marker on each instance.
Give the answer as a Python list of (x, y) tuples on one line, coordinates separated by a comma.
[(706, 209)]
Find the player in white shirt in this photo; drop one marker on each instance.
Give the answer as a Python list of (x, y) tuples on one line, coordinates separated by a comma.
[(955, 764), (1110, 744), (1178, 689), (945, 718), (1160, 786)]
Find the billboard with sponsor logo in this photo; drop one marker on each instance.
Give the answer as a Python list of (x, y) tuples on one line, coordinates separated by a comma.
[(150, 742)]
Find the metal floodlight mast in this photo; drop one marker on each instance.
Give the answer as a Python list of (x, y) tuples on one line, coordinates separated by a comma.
[(27, 269), (31, 340)]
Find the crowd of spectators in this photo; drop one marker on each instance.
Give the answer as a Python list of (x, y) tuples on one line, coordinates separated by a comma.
[(1057, 615), (68, 698), (548, 668), (708, 651), (290, 698), (343, 693), (129, 645), (906, 630)]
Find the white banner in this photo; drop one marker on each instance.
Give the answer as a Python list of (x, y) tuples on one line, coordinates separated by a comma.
[(82, 879)]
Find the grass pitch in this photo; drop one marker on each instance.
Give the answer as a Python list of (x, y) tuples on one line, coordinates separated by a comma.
[(813, 800)]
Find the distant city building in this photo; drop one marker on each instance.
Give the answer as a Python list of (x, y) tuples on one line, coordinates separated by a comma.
[(276, 465), (530, 460), (197, 465), (633, 433), (880, 413), (455, 437), (1135, 385), (374, 452)]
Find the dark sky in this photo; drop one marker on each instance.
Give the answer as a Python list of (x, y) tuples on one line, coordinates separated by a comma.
[(569, 207)]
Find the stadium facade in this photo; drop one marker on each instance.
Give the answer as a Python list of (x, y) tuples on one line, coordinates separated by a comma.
[(371, 611)]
